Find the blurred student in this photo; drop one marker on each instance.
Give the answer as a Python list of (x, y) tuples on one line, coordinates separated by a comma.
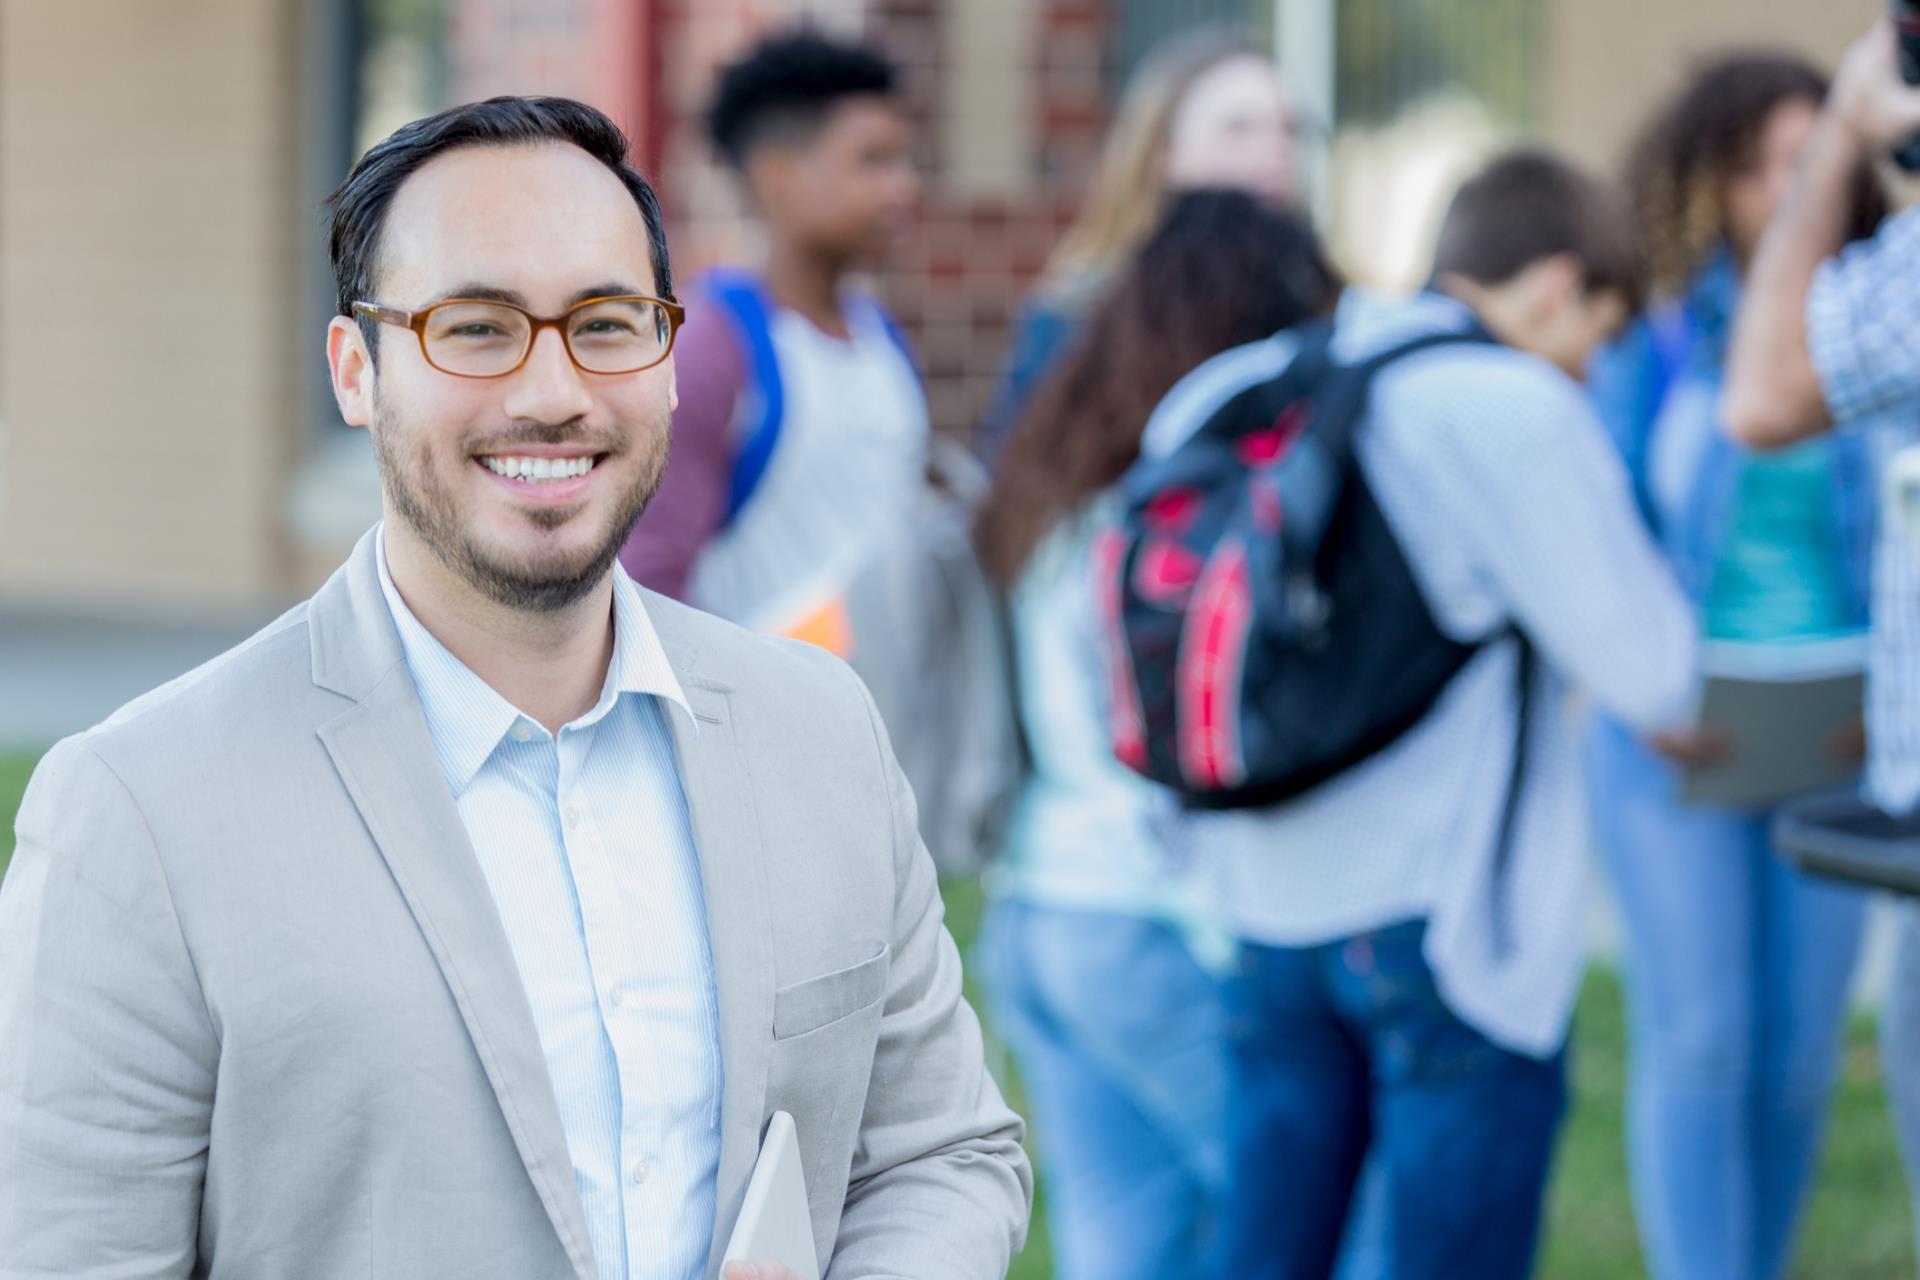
[(1408, 971), (801, 435), (1119, 1032), (1207, 111), (1737, 963), (1830, 335)]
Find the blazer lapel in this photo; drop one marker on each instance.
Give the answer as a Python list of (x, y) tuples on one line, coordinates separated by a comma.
[(727, 835), (385, 756)]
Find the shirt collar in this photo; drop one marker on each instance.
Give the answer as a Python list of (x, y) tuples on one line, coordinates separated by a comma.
[(467, 717)]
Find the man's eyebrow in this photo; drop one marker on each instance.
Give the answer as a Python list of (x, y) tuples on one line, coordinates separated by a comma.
[(605, 289), (489, 293), (482, 293)]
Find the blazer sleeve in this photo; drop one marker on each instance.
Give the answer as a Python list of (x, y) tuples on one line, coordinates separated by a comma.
[(940, 1186), (107, 1050)]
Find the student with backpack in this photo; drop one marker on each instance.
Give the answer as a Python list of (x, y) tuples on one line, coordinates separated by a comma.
[(1737, 962), (1088, 946), (805, 496), (1386, 566), (801, 436)]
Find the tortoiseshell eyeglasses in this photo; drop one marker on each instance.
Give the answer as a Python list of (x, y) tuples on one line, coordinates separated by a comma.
[(478, 338)]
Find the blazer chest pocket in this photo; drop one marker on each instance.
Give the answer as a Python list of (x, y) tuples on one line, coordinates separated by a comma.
[(818, 1002)]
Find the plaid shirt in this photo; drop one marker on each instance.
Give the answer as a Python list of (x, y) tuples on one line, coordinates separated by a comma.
[(1863, 330)]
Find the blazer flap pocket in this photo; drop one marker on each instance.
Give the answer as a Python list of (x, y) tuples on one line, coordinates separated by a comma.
[(807, 1006)]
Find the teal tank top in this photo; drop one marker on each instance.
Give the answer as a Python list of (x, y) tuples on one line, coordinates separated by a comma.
[(1778, 576)]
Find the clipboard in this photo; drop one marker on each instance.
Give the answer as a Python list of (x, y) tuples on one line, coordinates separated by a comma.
[(775, 1224), (1783, 706)]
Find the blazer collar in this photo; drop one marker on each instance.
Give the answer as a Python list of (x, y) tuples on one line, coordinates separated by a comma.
[(355, 641), (385, 757)]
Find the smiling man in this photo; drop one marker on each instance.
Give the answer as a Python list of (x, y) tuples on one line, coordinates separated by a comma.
[(473, 918)]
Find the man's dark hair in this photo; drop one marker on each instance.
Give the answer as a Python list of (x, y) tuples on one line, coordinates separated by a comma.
[(782, 89), (1529, 205), (358, 207)]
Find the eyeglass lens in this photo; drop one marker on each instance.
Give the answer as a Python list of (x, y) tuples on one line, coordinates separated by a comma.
[(617, 335)]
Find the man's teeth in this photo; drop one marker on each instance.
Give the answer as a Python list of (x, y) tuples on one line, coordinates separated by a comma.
[(538, 469)]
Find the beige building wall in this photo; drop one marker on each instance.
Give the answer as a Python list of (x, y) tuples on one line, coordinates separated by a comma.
[(1608, 62), (146, 164)]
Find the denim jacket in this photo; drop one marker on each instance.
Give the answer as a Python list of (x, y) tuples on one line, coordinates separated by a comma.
[(1657, 389)]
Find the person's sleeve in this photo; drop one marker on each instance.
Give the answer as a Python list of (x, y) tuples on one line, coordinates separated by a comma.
[(1545, 502), (1040, 334), (940, 1186), (1863, 321), (691, 502), (107, 1050)]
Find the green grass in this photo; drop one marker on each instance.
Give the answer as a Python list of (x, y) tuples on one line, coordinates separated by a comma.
[(1857, 1225), (14, 768)]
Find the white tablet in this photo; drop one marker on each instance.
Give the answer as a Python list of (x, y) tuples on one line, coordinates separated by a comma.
[(774, 1224)]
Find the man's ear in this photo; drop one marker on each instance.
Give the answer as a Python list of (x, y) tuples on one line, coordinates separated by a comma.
[(1558, 280), (351, 366), (769, 173)]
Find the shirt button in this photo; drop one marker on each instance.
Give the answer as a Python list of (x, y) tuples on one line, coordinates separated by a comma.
[(639, 1171), (521, 732), (572, 816), (617, 997)]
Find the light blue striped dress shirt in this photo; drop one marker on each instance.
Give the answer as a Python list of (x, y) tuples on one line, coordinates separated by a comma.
[(586, 843)]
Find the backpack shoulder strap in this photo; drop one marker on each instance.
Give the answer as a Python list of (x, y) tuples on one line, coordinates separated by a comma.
[(1338, 415), (741, 295)]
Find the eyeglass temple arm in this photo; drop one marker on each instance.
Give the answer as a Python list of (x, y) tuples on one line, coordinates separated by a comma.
[(385, 315)]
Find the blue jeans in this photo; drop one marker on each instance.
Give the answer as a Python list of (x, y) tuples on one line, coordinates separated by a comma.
[(1345, 1051), (1900, 1045), (1737, 970), (1120, 1038)]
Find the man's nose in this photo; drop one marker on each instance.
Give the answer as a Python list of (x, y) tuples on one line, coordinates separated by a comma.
[(549, 387)]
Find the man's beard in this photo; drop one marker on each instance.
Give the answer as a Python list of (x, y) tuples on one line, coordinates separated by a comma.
[(539, 585)]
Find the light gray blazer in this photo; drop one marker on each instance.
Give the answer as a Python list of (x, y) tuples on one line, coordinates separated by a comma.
[(259, 1018)]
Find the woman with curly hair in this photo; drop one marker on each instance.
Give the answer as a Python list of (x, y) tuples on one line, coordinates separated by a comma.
[(1737, 965), (1119, 1031)]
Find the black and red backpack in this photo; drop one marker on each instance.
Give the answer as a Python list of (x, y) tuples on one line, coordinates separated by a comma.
[(1263, 629)]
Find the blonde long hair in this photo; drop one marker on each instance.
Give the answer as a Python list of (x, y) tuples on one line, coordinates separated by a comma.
[(1128, 192)]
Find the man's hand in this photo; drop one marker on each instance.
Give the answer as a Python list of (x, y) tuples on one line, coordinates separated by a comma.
[(757, 1271), (1849, 742), (1697, 747), (1870, 97)]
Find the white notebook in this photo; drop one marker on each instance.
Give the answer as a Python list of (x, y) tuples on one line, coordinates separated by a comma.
[(774, 1224)]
